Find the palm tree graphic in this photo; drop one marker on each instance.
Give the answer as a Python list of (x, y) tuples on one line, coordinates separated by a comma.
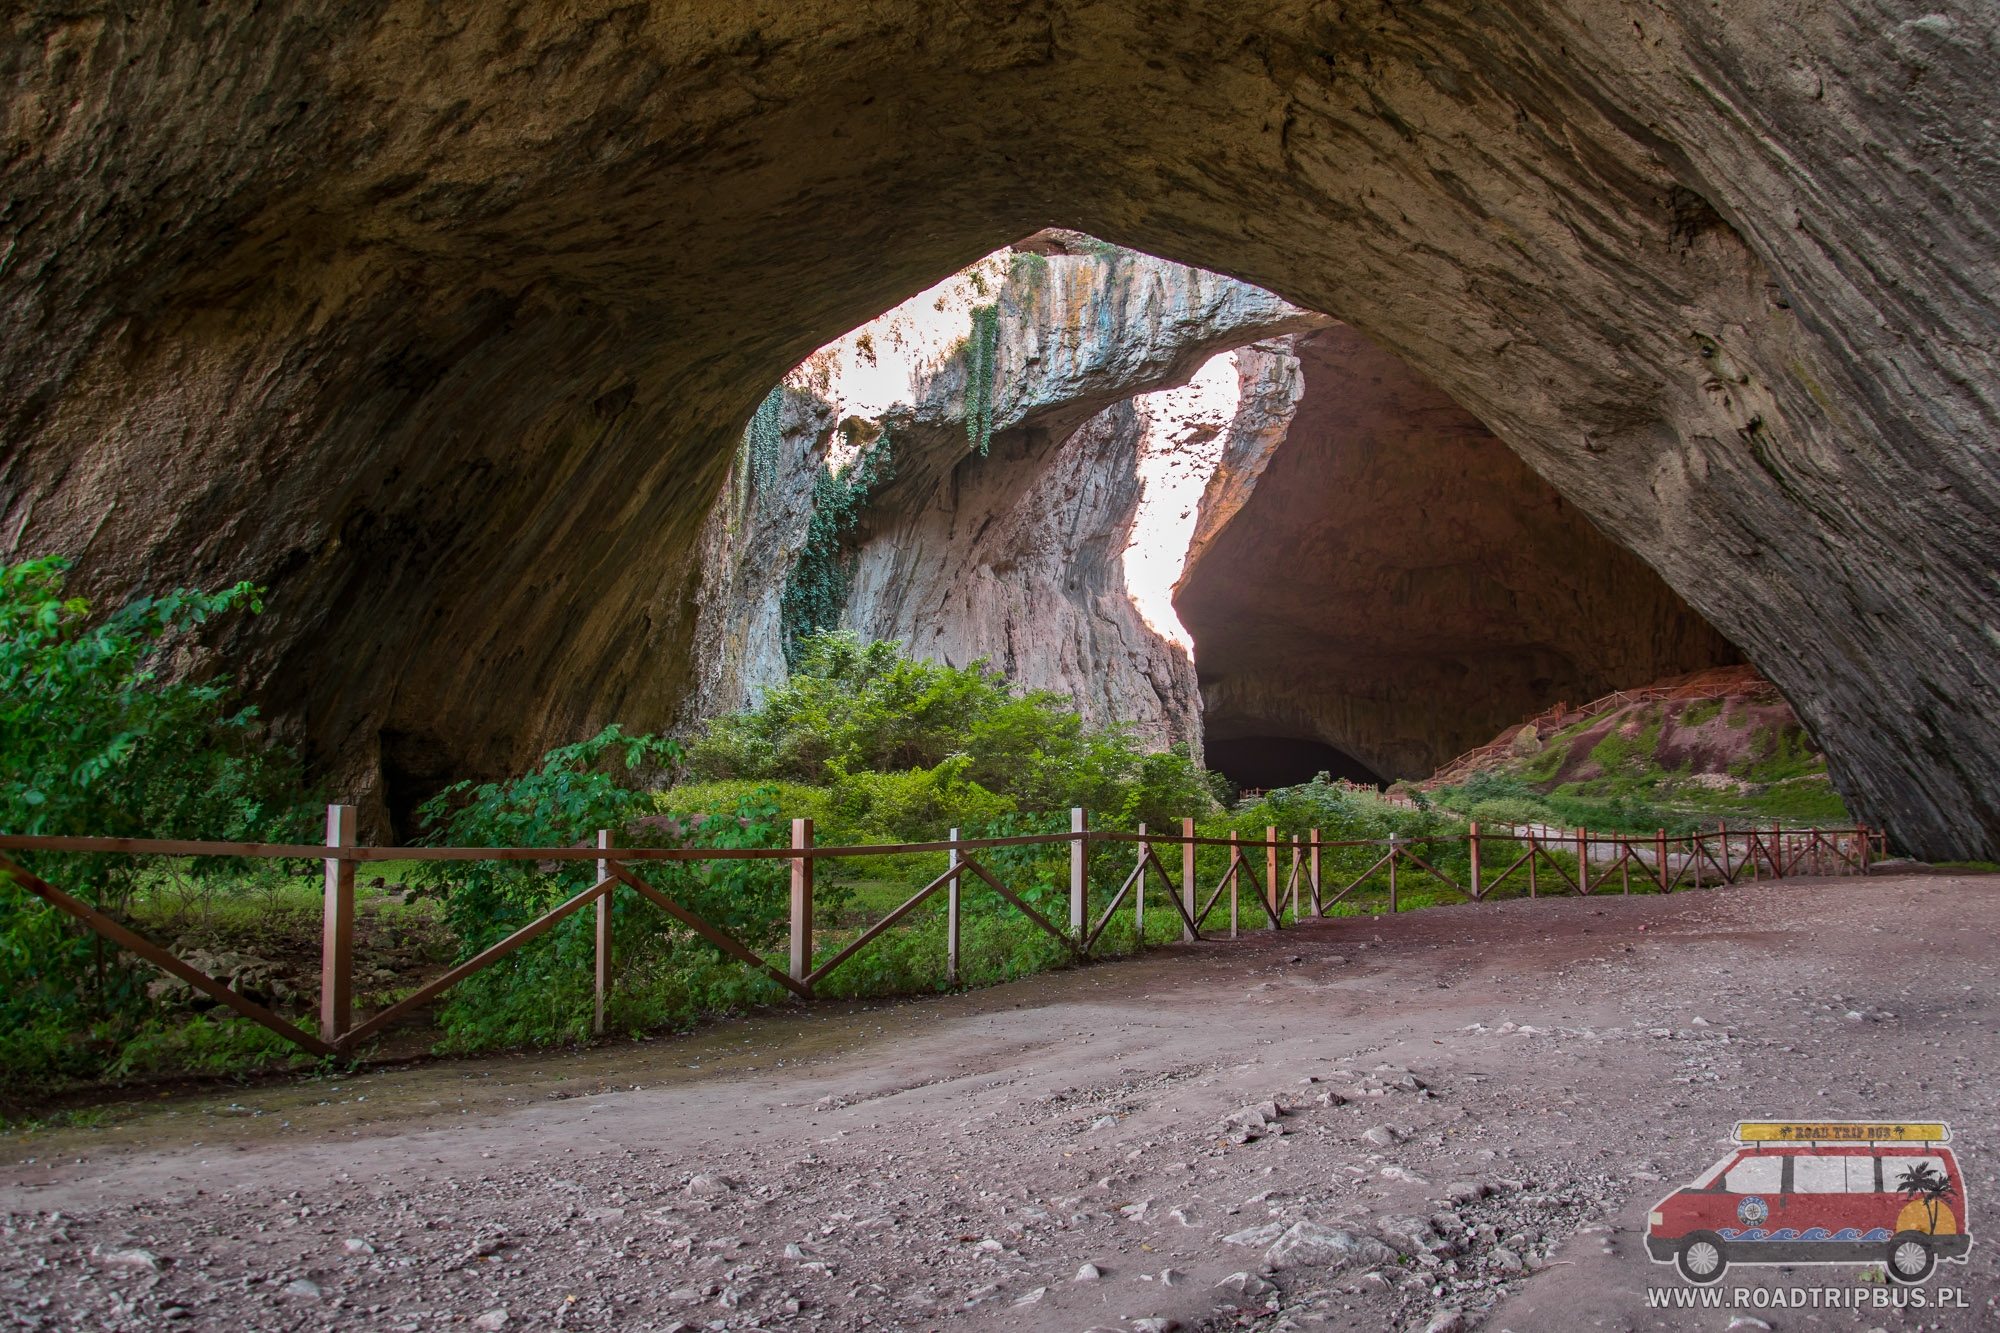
[(1924, 1181)]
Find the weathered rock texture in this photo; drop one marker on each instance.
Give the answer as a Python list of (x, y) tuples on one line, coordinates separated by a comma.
[(1397, 584), (445, 321), (1023, 561), (1018, 556)]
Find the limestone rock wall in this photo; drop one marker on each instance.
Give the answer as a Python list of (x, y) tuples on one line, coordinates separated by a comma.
[(1027, 560), (444, 322), (1019, 556), (1397, 583)]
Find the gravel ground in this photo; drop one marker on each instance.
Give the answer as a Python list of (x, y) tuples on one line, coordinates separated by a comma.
[(1458, 1118)]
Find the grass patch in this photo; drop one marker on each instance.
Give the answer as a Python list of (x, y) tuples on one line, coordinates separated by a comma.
[(1700, 712)]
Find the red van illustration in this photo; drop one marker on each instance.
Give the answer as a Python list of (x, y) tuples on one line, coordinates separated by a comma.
[(1819, 1192)]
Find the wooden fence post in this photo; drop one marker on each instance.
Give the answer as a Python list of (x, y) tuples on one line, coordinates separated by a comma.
[(1472, 843), (951, 890), (1079, 873), (1728, 866), (1313, 870), (1292, 878), (1271, 889), (603, 978), (1187, 877), (1583, 859), (336, 956), (1139, 897), (802, 903), (1393, 851), (1867, 846), (1660, 859), (1235, 867)]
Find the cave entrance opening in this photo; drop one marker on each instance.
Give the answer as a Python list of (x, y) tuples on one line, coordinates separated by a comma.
[(1187, 505), (1259, 763)]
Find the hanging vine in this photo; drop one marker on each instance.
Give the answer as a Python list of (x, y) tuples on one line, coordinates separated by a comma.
[(981, 353), (816, 590), (766, 432)]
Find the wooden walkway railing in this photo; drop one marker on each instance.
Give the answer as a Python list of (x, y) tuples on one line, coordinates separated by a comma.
[(1282, 874)]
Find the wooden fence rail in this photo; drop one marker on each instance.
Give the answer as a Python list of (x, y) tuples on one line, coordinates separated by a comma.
[(1724, 856)]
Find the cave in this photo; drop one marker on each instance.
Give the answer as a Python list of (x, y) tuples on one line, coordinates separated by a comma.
[(1201, 513), (1260, 763), (1400, 586), (445, 326)]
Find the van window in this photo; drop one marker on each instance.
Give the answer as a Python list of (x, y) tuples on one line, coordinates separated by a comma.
[(1755, 1175), (1711, 1179), (1894, 1168), (1821, 1175), (1861, 1175)]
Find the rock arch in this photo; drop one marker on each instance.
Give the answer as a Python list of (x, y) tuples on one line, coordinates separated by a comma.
[(443, 323)]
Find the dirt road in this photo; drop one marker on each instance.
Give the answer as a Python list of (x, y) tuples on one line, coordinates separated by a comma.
[(1455, 1118)]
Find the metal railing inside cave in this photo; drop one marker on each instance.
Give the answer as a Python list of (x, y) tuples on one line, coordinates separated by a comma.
[(1284, 879)]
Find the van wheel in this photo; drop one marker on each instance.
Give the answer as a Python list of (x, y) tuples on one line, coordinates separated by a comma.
[(1910, 1257), (1702, 1258)]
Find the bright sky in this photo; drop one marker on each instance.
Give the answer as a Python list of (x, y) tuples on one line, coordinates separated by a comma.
[(1186, 430)]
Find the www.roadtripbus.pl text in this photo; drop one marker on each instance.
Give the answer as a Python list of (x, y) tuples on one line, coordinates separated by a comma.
[(1806, 1298)]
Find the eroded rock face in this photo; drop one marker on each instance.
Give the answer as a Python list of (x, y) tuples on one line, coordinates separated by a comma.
[(1020, 556), (1397, 583), (1027, 561), (445, 323)]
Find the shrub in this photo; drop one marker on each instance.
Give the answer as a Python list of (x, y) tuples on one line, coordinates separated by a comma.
[(94, 741), (1507, 812), (542, 994), (851, 707), (916, 805), (1700, 712), (689, 802)]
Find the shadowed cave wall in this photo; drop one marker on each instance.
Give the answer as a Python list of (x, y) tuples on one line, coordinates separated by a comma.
[(444, 324), (1398, 585)]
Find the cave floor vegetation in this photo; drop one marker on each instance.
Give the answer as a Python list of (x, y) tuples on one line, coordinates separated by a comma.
[(873, 746)]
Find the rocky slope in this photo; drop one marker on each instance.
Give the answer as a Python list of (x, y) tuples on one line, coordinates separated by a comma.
[(1716, 745), (445, 324)]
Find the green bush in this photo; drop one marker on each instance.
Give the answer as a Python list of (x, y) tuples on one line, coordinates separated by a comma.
[(1781, 753), (542, 994), (1507, 812), (916, 805), (690, 801), (95, 741), (1700, 712), (851, 708)]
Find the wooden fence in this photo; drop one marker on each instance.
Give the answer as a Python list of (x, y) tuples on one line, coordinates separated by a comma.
[(1282, 876)]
